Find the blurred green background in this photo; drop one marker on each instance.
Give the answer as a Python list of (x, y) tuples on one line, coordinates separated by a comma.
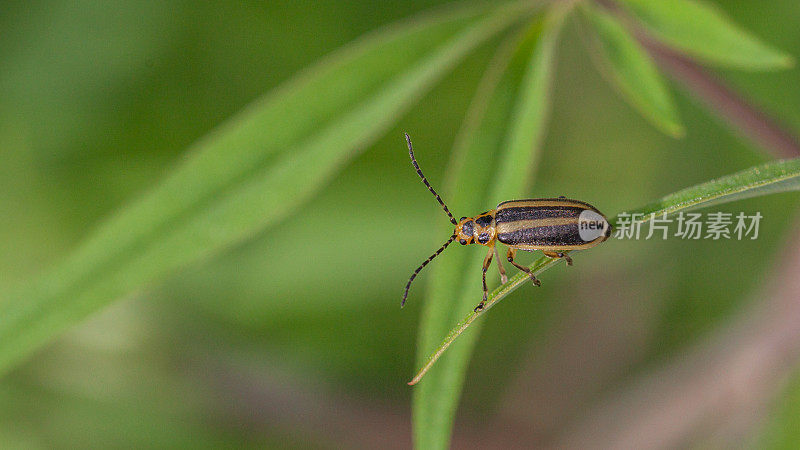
[(99, 100)]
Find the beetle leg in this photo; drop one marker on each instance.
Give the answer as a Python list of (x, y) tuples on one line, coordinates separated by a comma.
[(559, 255), (511, 253), (503, 277), (486, 262)]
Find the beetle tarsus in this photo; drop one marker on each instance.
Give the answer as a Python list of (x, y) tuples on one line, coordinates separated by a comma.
[(566, 257), (561, 255)]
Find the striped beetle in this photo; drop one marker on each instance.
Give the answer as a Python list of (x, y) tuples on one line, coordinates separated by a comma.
[(553, 225)]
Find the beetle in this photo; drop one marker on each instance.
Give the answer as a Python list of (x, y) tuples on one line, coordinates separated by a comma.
[(552, 225)]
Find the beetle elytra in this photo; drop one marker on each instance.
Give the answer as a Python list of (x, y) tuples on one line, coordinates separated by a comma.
[(552, 225)]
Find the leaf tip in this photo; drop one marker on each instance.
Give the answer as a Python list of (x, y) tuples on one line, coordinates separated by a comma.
[(778, 61), (418, 377), (671, 126), (786, 61), (676, 130)]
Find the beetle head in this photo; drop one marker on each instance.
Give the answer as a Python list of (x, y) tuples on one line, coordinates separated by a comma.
[(465, 231)]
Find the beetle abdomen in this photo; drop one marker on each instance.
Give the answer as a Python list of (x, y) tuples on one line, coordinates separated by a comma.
[(547, 224)]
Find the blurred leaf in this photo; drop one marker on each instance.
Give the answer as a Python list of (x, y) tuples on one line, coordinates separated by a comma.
[(507, 118), (703, 31), (250, 172), (782, 430), (769, 178), (628, 67)]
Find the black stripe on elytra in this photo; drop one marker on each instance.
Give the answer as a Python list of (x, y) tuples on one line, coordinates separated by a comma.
[(551, 235), (515, 213), (484, 221)]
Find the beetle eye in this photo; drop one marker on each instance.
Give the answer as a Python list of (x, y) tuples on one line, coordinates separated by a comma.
[(462, 242)]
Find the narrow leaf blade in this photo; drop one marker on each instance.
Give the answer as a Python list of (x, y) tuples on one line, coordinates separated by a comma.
[(769, 178), (629, 68), (704, 32), (510, 123)]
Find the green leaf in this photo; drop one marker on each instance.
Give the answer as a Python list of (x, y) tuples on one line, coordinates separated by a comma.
[(251, 172), (770, 178), (782, 427), (507, 118), (704, 32), (629, 68)]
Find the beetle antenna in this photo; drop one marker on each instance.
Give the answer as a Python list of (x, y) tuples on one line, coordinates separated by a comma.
[(414, 275), (425, 180)]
